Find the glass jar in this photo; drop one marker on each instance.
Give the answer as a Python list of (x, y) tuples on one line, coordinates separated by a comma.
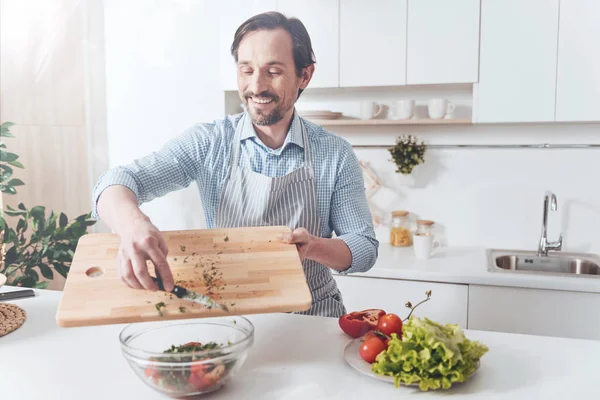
[(400, 230), (423, 227)]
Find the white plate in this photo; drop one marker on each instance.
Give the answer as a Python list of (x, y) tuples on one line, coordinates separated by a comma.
[(352, 357)]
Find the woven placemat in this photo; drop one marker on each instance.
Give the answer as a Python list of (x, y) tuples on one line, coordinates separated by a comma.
[(11, 318)]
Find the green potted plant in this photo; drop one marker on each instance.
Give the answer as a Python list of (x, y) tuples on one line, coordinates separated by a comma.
[(406, 154), (37, 244)]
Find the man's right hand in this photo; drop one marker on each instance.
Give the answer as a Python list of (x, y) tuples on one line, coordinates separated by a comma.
[(142, 241)]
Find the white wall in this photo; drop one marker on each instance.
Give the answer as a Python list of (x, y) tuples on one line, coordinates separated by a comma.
[(162, 75), (156, 87)]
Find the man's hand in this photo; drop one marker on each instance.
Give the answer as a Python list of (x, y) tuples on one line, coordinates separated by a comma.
[(142, 241), (302, 239), (333, 253)]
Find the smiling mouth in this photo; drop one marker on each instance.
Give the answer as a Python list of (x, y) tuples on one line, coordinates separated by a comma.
[(262, 100)]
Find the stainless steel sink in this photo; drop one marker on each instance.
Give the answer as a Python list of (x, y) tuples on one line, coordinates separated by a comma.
[(555, 263)]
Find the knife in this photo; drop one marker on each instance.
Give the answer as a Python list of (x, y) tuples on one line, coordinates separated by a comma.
[(190, 295), (17, 294)]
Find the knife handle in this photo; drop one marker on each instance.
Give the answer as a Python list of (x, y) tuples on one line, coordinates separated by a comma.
[(177, 290), (17, 294)]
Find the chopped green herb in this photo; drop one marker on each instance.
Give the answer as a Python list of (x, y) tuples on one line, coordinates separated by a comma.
[(158, 307), (182, 247), (175, 259), (226, 238), (181, 309), (235, 322)]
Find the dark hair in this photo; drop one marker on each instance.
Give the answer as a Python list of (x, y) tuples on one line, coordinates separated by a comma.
[(301, 44)]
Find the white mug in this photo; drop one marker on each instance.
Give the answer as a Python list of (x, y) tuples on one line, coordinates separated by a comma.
[(370, 110), (405, 109), (439, 108), (424, 246)]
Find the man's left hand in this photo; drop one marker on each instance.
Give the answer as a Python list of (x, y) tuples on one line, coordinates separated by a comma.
[(302, 239)]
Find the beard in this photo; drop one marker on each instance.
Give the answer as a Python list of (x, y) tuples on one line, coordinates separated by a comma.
[(262, 118)]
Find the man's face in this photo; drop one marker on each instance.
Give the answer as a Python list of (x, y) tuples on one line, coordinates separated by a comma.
[(267, 80)]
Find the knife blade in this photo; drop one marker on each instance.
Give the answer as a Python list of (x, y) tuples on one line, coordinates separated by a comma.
[(17, 294), (190, 295)]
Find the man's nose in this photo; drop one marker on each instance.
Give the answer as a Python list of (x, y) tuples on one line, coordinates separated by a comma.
[(257, 83)]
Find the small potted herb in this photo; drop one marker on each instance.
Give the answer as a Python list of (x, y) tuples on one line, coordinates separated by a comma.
[(407, 154)]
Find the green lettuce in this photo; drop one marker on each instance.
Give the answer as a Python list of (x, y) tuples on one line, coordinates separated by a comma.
[(433, 355)]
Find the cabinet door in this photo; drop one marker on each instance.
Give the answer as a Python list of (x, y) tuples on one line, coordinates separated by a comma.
[(442, 41), (517, 75), (321, 19), (372, 43), (534, 311), (232, 14), (578, 82), (448, 303)]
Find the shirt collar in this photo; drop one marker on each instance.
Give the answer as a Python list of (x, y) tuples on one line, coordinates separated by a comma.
[(294, 134)]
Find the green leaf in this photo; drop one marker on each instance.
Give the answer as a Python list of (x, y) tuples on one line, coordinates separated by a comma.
[(7, 157), (61, 269), (24, 281), (11, 256), (21, 225), (15, 213), (46, 271), (29, 271), (6, 125), (15, 182), (2, 223), (41, 285), (8, 189), (63, 220), (16, 164), (38, 213), (22, 207)]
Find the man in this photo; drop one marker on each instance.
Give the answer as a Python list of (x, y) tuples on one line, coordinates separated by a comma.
[(266, 166)]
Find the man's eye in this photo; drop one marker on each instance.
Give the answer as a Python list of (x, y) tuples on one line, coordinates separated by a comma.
[(274, 72), (246, 71)]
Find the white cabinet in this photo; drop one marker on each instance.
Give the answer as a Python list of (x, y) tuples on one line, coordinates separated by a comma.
[(321, 19), (534, 311), (442, 41), (372, 43), (448, 303), (231, 15), (578, 73), (517, 75)]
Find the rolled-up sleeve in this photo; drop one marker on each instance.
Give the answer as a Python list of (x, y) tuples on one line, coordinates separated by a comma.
[(169, 169), (350, 214)]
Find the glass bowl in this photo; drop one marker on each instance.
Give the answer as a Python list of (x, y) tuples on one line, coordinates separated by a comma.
[(188, 358)]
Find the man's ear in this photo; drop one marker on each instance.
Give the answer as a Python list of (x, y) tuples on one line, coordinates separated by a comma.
[(306, 76)]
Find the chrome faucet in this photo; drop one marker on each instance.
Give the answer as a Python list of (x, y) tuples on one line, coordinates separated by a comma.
[(544, 245)]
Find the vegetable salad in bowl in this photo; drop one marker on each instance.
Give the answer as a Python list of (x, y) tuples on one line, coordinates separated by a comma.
[(182, 359)]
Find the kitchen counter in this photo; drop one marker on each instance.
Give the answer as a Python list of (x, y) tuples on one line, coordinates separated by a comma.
[(467, 265), (293, 357)]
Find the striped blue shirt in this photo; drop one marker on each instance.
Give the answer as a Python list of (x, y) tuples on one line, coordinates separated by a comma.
[(201, 155)]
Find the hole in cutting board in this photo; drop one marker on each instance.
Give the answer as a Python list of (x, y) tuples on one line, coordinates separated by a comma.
[(94, 272)]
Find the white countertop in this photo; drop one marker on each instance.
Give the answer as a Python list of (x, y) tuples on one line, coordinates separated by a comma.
[(293, 357), (466, 265)]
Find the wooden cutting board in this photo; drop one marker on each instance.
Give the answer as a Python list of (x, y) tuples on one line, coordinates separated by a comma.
[(250, 269)]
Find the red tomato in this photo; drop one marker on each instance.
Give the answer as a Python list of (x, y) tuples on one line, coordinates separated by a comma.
[(390, 323), (371, 348), (357, 323), (204, 376)]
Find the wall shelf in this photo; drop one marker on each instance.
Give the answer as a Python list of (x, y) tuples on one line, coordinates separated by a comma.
[(388, 122)]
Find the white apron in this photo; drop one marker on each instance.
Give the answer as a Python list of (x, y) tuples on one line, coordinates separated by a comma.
[(252, 199)]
